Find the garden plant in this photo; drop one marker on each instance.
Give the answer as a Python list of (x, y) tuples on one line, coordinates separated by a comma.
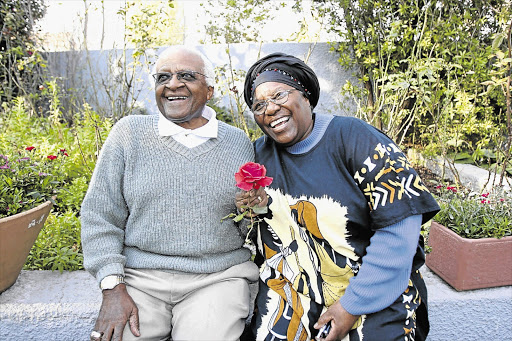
[(44, 159), (475, 215)]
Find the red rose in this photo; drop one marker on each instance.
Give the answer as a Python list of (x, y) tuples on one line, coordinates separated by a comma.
[(51, 157), (30, 148), (252, 175)]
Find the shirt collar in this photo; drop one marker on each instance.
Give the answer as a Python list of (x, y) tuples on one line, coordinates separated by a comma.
[(209, 130)]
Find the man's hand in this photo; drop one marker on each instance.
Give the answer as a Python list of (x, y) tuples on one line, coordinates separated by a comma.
[(117, 308), (341, 322), (254, 197)]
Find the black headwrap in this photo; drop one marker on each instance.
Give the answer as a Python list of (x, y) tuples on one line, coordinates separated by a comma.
[(282, 68)]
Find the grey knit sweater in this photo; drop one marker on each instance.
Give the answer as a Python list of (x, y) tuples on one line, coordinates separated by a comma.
[(154, 203)]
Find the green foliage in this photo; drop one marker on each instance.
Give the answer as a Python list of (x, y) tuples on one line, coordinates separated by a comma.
[(151, 24), (77, 148), (58, 245), (28, 178), (71, 197), (474, 215), (237, 21), (431, 73), (21, 63)]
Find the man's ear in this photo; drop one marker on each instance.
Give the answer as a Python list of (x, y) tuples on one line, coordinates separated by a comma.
[(209, 94)]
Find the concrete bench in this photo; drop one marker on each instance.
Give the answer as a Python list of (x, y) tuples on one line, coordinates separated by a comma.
[(46, 305)]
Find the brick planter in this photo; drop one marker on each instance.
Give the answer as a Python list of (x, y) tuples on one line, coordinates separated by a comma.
[(468, 264), (17, 236)]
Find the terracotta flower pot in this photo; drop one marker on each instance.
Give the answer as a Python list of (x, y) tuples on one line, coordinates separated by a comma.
[(17, 236), (468, 264)]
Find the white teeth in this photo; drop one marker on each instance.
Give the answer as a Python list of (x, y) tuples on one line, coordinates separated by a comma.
[(173, 98), (276, 122)]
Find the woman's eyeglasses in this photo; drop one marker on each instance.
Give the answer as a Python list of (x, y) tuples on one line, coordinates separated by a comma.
[(183, 76), (279, 98)]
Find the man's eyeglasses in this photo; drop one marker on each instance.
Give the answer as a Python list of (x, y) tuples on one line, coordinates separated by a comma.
[(280, 97), (183, 76)]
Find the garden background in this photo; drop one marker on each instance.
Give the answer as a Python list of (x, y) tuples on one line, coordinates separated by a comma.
[(434, 75)]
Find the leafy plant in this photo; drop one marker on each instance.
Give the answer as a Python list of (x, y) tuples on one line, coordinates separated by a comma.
[(22, 67), (74, 150), (58, 245), (412, 59), (431, 74), (475, 215), (240, 21), (29, 178)]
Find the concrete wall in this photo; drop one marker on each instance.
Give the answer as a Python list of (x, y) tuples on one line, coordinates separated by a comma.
[(75, 67)]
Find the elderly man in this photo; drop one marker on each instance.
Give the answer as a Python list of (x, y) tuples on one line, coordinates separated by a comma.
[(152, 228)]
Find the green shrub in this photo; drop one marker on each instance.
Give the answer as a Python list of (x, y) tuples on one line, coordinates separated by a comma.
[(76, 149), (29, 178), (71, 197), (475, 215), (58, 244)]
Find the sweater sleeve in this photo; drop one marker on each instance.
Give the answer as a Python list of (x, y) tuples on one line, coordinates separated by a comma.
[(386, 268), (104, 211)]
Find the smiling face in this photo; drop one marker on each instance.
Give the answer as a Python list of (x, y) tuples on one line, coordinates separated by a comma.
[(179, 102), (287, 123)]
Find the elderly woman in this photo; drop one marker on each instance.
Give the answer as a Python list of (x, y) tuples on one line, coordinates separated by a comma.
[(340, 245)]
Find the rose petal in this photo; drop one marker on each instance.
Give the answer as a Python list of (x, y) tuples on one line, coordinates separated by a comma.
[(265, 181), (245, 186), (254, 169)]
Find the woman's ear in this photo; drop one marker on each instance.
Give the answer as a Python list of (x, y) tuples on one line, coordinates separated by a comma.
[(307, 99), (309, 103)]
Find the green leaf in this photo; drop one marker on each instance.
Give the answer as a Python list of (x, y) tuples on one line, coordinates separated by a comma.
[(259, 210), (240, 217)]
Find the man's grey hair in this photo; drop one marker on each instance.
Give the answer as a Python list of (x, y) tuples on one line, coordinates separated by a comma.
[(207, 70)]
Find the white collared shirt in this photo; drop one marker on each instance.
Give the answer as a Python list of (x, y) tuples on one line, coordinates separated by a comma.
[(190, 137)]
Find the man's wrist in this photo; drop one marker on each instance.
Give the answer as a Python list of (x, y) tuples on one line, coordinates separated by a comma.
[(111, 281)]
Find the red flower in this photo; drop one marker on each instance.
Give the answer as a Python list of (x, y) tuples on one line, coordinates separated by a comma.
[(30, 148), (52, 157), (252, 175), (62, 150), (439, 186), (485, 195)]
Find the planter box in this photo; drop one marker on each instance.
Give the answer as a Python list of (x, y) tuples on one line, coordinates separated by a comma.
[(17, 236), (468, 264)]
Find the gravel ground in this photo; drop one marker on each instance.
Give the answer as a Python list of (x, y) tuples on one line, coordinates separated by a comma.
[(430, 180)]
